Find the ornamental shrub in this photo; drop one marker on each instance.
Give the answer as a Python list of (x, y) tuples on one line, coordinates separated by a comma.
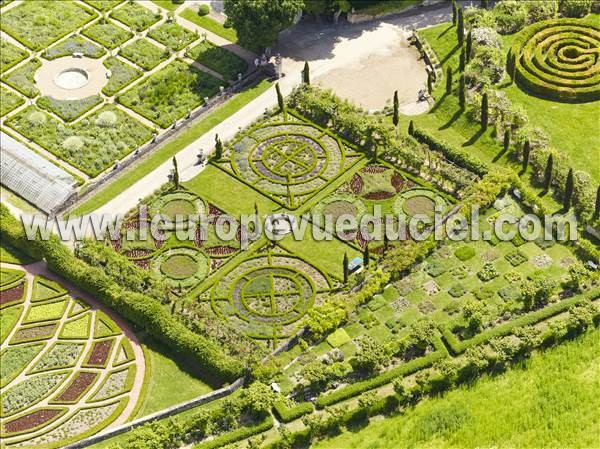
[(542, 10), (511, 16), (203, 10), (575, 8)]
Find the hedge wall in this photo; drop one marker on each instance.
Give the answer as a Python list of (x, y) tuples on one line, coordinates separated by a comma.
[(529, 319), (237, 435), (289, 414), (140, 309)]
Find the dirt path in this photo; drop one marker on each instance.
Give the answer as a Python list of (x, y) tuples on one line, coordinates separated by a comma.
[(41, 269)]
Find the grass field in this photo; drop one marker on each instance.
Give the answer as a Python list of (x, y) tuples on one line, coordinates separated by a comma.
[(171, 148), (568, 125), (210, 24), (554, 401)]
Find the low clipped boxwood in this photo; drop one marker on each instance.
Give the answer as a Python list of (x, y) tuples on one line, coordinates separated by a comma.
[(288, 414)]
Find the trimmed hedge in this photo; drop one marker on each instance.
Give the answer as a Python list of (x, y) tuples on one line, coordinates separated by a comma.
[(385, 377), (459, 157), (237, 434), (548, 75), (289, 414), (529, 319), (138, 308)]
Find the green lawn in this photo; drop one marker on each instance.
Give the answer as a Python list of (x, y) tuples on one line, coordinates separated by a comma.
[(171, 148), (228, 193), (550, 401), (169, 381), (167, 4), (8, 254), (569, 126), (210, 24)]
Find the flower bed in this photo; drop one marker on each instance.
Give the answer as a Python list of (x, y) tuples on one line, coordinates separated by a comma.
[(10, 55), (172, 35), (218, 59), (22, 78), (107, 34), (135, 16), (74, 44), (181, 267), (144, 54)]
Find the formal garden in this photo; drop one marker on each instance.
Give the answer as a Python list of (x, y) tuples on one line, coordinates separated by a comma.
[(156, 70), (322, 334), (67, 369)]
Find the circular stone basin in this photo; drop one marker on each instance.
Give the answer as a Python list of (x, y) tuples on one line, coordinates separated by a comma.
[(179, 266), (71, 79)]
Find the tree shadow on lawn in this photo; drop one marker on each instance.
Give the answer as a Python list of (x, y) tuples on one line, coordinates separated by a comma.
[(438, 103), (474, 138), (449, 55), (452, 120)]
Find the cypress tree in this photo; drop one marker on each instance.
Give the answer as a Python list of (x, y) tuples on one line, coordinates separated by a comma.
[(449, 80), (396, 116), (175, 173), (469, 49), (462, 60), (568, 191), (429, 83), (484, 111), (526, 152), (513, 68), (484, 4), (597, 209), (462, 92), (506, 142), (548, 173), (460, 27), (255, 209), (411, 128), (218, 147), (279, 98), (386, 242), (306, 73), (345, 263), (454, 12), (366, 256)]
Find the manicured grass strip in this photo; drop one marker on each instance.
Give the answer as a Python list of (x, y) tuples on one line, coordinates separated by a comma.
[(167, 4), (171, 148), (212, 183), (218, 59), (210, 24)]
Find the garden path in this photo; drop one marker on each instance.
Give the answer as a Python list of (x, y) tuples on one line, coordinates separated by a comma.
[(319, 44), (41, 269)]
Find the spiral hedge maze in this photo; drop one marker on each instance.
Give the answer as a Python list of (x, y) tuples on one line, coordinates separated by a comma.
[(267, 294), (559, 60), (288, 161), (67, 370), (182, 263)]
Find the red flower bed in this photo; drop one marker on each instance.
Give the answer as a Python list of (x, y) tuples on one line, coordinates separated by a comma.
[(397, 181), (216, 263), (374, 169), (35, 333), (378, 195), (100, 353), (142, 263), (212, 210), (137, 253), (356, 184), (198, 240), (220, 250), (159, 241), (12, 294), (31, 420), (78, 386), (116, 244)]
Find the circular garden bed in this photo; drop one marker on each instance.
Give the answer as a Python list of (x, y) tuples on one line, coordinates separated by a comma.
[(418, 201), (340, 204), (177, 203), (181, 267)]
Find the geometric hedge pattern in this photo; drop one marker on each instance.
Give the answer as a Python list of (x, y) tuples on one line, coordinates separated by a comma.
[(560, 59), (289, 160), (66, 369)]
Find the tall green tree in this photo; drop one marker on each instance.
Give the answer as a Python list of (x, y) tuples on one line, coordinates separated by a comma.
[(258, 22), (568, 196), (462, 92), (175, 173), (460, 27), (429, 83), (484, 4), (306, 73), (597, 208), (448, 80), (462, 60), (396, 116), (366, 256), (513, 68), (218, 147), (469, 47), (548, 173), (526, 154), (484, 110), (280, 101), (345, 268), (506, 141), (454, 12), (411, 128)]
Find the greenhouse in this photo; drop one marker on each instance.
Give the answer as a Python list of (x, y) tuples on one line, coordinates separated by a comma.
[(40, 182)]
